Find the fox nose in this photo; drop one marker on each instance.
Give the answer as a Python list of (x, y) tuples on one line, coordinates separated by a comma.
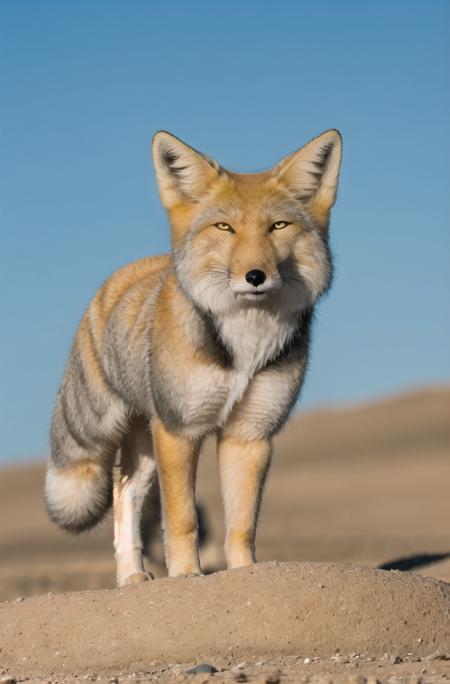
[(255, 277)]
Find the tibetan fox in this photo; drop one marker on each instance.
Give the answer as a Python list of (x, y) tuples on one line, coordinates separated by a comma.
[(209, 339)]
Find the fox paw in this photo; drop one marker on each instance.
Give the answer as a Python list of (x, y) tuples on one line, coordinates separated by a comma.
[(136, 578)]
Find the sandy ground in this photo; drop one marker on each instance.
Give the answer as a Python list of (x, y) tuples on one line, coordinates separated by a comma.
[(307, 610), (366, 485)]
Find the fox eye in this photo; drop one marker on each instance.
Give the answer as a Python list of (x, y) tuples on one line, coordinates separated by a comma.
[(279, 225), (224, 226)]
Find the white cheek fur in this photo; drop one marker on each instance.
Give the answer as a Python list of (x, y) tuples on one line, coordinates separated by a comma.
[(215, 291)]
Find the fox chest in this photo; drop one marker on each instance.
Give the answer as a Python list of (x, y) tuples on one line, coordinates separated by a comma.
[(205, 398), (199, 397)]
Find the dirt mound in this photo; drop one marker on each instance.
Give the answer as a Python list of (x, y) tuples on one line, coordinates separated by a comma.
[(312, 609), (366, 485)]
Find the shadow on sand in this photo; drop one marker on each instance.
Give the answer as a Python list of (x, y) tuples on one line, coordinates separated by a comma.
[(416, 561)]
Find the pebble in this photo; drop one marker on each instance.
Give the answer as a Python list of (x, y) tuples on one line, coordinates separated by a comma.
[(8, 680), (240, 666), (437, 655), (338, 658), (356, 679), (273, 679), (19, 599), (240, 677), (203, 668)]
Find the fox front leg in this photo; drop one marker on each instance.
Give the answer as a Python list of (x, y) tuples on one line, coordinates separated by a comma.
[(243, 468), (177, 459)]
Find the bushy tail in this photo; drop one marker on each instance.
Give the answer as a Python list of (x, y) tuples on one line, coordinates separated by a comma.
[(78, 495), (78, 485)]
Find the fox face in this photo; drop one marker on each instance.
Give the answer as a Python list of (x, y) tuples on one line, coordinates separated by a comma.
[(250, 240)]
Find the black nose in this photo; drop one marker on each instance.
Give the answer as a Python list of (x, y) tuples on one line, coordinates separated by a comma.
[(255, 277)]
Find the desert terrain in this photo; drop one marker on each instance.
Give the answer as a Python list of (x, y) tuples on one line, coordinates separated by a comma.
[(356, 515)]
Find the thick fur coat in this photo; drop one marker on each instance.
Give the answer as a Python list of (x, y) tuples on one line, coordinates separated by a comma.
[(212, 338)]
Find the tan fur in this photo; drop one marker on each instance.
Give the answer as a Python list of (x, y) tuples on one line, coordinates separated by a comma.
[(177, 465), (243, 467), (176, 347)]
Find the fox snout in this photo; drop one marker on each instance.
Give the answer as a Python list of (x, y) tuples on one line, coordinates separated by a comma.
[(255, 277), (255, 283)]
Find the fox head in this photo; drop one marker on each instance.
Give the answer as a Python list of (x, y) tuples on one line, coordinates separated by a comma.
[(250, 240)]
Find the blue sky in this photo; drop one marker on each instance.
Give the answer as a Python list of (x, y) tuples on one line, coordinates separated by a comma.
[(84, 85)]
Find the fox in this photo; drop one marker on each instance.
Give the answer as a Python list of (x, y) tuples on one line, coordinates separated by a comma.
[(212, 338)]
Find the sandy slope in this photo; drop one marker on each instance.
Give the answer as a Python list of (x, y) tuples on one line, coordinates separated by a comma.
[(369, 485), (289, 609)]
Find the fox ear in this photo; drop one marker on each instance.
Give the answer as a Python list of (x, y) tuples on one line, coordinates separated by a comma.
[(312, 174), (183, 174)]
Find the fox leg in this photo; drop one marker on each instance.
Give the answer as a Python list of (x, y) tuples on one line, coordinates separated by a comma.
[(132, 479), (177, 459), (243, 468)]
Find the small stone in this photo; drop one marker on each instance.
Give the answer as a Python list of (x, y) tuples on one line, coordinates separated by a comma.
[(240, 677), (307, 661), (19, 599), (395, 660), (8, 680), (357, 679), (240, 666), (113, 680), (203, 668), (338, 658), (273, 679), (437, 655)]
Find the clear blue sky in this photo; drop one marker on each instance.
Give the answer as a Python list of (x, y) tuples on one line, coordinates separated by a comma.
[(84, 85)]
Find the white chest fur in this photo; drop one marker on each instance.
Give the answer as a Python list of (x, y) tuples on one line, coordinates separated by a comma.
[(254, 337)]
